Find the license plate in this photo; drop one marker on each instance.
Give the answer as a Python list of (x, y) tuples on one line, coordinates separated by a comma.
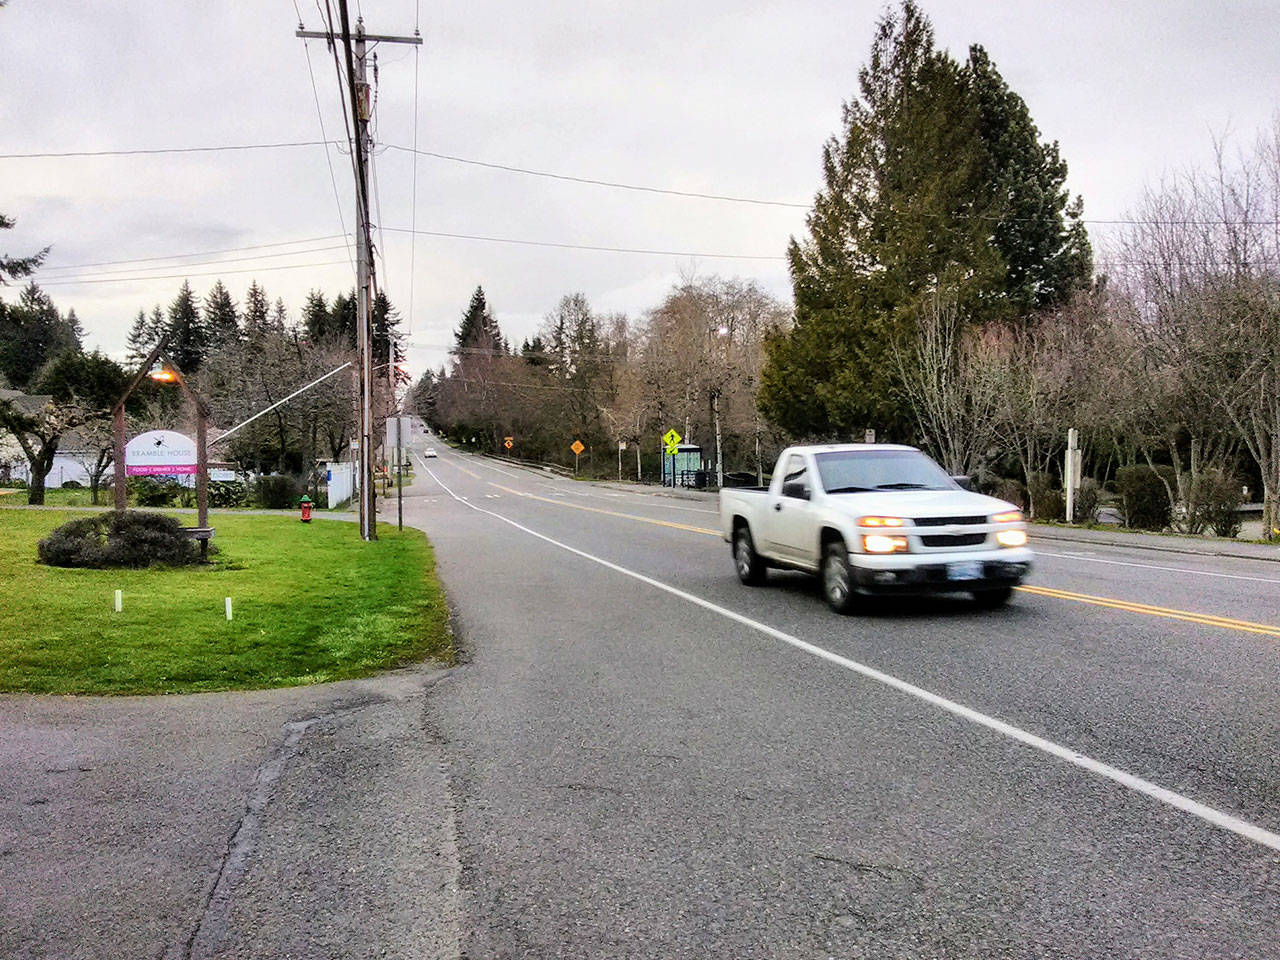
[(965, 570)]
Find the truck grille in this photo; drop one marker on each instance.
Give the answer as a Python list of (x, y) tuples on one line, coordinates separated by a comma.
[(948, 521), (953, 539)]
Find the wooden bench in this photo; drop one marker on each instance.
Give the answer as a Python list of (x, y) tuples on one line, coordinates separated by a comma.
[(204, 535)]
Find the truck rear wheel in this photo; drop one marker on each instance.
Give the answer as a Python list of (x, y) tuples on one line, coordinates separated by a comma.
[(837, 578), (750, 566)]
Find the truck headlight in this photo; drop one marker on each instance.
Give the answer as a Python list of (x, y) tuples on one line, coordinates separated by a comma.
[(1012, 538), (1011, 516), (880, 522), (880, 543)]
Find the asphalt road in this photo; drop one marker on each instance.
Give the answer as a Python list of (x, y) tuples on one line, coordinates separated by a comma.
[(649, 759)]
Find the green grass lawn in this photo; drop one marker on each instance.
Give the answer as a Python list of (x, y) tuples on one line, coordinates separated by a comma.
[(311, 603), (56, 497)]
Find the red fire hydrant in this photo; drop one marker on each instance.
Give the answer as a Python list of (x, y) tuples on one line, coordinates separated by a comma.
[(305, 504)]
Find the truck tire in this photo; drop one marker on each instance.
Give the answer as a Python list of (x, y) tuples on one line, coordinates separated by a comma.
[(837, 578), (991, 599), (749, 565)]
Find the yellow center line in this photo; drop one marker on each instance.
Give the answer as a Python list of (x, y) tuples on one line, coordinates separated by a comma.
[(1128, 606), (1205, 619)]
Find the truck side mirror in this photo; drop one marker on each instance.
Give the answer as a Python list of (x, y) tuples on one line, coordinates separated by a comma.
[(796, 490), (965, 483)]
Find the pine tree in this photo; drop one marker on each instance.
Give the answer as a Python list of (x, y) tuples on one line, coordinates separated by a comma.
[(15, 268), (256, 311), (386, 336), (478, 329), (937, 181), (221, 320), (315, 316), (342, 318), (279, 316), (189, 343), (33, 332), (139, 342)]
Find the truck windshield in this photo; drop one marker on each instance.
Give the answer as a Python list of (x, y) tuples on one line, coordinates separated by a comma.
[(857, 471)]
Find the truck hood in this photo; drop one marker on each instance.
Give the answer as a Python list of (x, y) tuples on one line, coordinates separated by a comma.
[(918, 503)]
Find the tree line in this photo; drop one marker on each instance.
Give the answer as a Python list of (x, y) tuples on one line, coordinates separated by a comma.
[(240, 359)]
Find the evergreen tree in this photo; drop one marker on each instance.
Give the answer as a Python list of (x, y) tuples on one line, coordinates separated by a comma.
[(256, 312), (937, 181), (534, 351), (221, 320), (342, 318), (15, 268), (189, 342), (315, 316), (139, 344), (478, 329), (386, 336), (279, 316), (32, 332)]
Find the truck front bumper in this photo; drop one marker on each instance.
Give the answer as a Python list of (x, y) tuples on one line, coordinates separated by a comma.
[(940, 573)]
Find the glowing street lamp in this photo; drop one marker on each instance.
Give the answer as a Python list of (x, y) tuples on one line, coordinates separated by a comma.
[(161, 373)]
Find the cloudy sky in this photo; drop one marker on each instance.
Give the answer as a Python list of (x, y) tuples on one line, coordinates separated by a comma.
[(730, 98)]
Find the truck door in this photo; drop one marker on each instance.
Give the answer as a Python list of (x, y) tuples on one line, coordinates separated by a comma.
[(790, 528)]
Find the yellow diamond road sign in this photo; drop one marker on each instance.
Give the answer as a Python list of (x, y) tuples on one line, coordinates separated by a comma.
[(671, 438), (508, 443), (576, 447)]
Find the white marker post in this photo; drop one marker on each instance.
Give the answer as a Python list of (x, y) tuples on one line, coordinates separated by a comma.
[(119, 600), (228, 608)]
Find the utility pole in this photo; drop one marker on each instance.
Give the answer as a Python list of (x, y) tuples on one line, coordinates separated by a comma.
[(354, 48)]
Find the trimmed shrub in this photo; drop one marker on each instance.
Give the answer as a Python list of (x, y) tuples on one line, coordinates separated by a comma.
[(1144, 498), (1088, 498), (1011, 491), (1217, 498), (130, 539), (1047, 502), (155, 493), (277, 492), (227, 493)]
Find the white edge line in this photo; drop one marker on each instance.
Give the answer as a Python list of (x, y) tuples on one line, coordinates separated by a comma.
[(1153, 566), (1208, 814)]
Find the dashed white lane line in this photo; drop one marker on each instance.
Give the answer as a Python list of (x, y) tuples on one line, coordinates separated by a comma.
[(1040, 552), (1210, 815), (648, 498)]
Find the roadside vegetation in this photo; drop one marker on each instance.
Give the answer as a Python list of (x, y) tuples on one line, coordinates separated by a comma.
[(310, 604)]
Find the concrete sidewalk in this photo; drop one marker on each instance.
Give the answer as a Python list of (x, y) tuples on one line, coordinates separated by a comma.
[(303, 822), (1204, 546)]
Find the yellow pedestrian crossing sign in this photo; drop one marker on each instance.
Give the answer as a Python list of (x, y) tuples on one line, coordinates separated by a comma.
[(671, 439)]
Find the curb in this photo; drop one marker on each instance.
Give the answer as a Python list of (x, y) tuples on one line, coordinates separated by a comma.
[(1038, 533)]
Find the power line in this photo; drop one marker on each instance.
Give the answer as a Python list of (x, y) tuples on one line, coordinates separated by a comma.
[(200, 253), (150, 151), (413, 203), (584, 246), (181, 276), (617, 185), (212, 263), (328, 159)]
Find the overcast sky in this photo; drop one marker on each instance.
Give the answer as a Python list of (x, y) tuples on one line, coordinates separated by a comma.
[(714, 97)]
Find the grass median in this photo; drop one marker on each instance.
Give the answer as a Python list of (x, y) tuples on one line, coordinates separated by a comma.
[(310, 602)]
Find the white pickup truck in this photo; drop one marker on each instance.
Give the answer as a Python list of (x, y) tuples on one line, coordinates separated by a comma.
[(875, 519)]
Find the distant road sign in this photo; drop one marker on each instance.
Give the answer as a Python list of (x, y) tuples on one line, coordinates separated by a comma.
[(671, 438), (577, 447), (509, 442)]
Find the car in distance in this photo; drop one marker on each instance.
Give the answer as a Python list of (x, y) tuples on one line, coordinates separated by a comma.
[(429, 453), (875, 519)]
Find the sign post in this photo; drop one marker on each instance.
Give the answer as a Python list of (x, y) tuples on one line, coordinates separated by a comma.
[(508, 442), (577, 449)]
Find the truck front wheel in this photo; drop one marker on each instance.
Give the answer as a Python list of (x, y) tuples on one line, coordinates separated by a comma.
[(837, 578), (750, 566)]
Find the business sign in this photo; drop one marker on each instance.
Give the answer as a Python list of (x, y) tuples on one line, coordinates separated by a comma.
[(160, 453)]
